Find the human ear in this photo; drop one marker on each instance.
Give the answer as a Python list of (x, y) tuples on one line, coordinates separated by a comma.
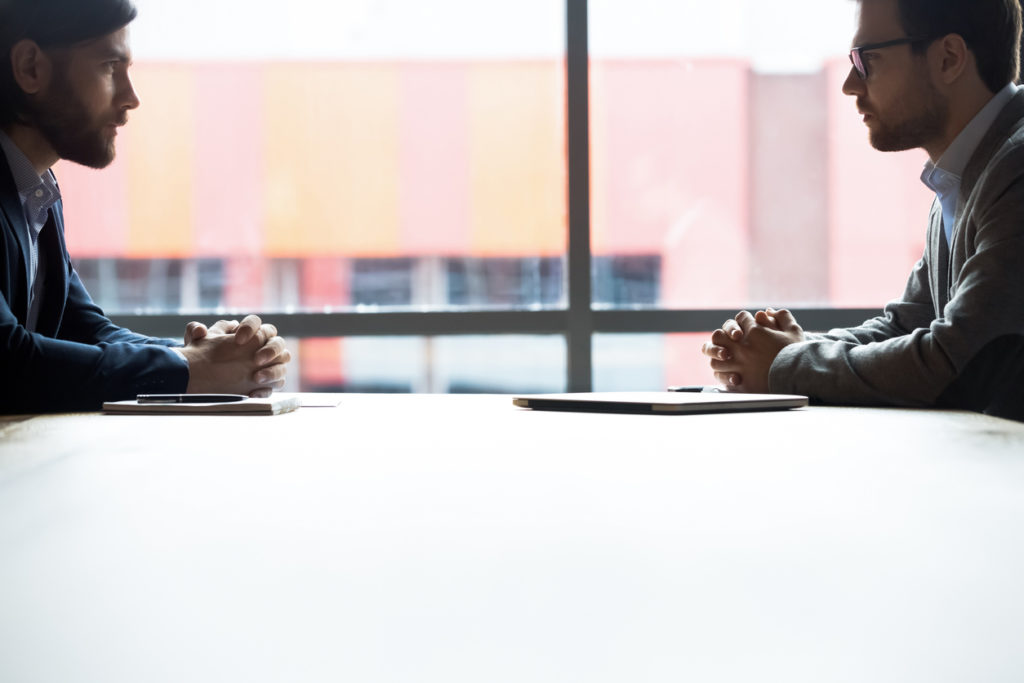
[(31, 66), (949, 57)]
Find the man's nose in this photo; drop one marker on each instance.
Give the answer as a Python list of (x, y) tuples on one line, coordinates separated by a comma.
[(854, 84), (127, 97)]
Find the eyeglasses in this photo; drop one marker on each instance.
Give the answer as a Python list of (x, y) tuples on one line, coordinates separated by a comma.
[(857, 53)]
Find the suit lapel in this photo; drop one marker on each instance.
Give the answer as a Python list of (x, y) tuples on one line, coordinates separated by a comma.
[(10, 204)]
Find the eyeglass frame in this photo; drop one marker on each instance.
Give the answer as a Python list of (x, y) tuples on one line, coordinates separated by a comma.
[(857, 56)]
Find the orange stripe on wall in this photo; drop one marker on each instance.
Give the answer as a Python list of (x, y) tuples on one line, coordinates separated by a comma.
[(600, 165), (517, 159), (673, 152), (873, 243), (434, 153), (95, 206), (160, 135), (321, 362), (332, 159), (229, 171)]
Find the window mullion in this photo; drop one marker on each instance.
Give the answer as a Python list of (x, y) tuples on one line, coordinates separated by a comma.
[(580, 328)]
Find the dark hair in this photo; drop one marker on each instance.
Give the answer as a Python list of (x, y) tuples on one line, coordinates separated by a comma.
[(991, 29), (52, 24)]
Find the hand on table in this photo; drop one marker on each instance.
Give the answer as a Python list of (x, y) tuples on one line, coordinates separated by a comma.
[(235, 357), (741, 352)]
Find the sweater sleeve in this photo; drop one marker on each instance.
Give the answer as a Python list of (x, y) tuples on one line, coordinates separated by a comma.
[(966, 358)]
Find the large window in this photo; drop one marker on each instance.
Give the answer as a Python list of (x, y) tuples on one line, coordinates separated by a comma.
[(403, 187), (724, 150)]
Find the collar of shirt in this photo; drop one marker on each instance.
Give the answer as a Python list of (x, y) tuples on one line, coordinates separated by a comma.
[(943, 178), (38, 193)]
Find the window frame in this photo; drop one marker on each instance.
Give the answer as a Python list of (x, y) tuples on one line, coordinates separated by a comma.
[(579, 322)]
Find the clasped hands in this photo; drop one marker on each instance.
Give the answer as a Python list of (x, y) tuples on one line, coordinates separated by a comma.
[(742, 351), (235, 357)]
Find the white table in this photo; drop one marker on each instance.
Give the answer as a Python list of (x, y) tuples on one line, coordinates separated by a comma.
[(457, 538)]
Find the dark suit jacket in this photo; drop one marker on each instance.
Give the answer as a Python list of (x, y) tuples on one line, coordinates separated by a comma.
[(77, 358)]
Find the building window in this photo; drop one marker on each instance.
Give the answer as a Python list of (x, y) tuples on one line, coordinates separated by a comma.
[(407, 160)]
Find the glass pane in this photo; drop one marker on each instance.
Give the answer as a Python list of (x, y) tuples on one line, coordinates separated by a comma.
[(649, 362), (727, 159), (340, 154), (463, 364)]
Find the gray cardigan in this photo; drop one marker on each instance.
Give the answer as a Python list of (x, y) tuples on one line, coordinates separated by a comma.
[(956, 337)]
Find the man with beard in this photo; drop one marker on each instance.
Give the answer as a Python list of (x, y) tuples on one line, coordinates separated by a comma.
[(64, 91), (939, 75)]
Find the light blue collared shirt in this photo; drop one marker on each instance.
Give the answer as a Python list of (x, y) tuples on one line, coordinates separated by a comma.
[(944, 177), (38, 195)]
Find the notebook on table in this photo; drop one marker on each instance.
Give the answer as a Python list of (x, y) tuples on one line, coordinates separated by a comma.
[(273, 405), (660, 402)]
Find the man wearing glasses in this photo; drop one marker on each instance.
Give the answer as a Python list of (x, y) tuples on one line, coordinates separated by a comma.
[(939, 75)]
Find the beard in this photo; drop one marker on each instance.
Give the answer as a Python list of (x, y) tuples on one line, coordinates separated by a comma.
[(64, 120), (915, 129)]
